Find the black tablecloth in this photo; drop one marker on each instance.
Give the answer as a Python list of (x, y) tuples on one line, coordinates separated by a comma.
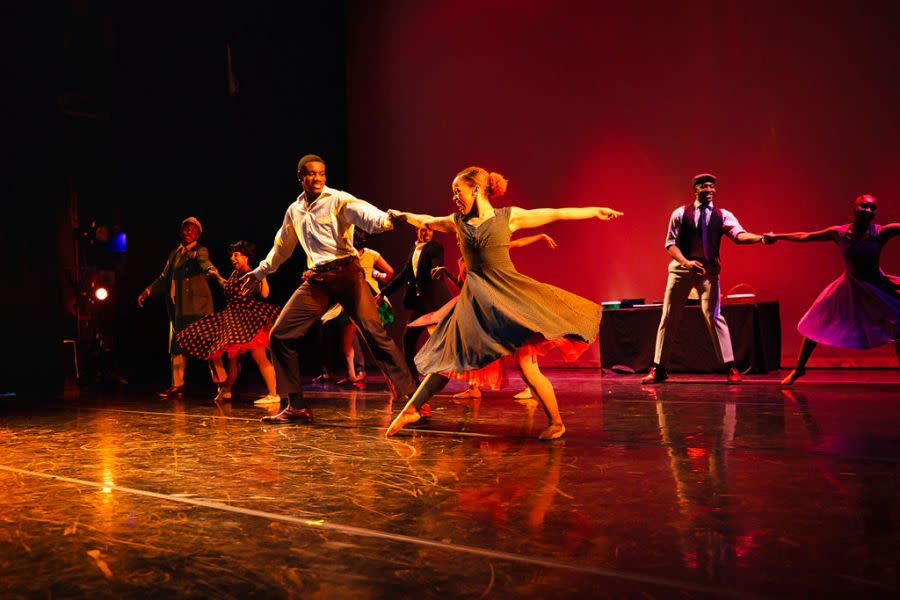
[(628, 337)]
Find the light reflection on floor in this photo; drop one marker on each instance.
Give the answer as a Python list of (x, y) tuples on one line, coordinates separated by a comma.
[(691, 488)]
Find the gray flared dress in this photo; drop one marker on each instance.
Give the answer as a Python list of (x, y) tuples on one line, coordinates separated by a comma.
[(500, 313)]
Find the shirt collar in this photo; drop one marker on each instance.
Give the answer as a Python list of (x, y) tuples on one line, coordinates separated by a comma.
[(190, 246), (697, 204), (326, 191)]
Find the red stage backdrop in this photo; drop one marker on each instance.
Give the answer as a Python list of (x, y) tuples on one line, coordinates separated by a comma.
[(793, 105)]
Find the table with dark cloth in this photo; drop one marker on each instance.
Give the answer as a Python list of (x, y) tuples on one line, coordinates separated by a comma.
[(628, 337)]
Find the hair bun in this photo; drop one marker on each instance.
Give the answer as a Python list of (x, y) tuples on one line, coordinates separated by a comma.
[(496, 185)]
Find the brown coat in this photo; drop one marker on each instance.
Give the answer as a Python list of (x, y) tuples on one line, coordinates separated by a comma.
[(192, 296)]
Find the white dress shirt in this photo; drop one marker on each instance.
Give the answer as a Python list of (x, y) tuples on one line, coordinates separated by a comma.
[(324, 229), (417, 253)]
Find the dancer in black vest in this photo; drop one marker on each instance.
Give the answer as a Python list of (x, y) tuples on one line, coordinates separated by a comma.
[(695, 231)]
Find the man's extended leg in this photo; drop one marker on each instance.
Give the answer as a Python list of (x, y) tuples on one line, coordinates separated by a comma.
[(356, 298), (304, 308)]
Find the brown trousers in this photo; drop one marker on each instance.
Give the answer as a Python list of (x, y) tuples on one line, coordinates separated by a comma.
[(346, 286)]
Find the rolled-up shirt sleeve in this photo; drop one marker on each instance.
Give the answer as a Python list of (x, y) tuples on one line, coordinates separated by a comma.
[(730, 225), (285, 242), (674, 226), (364, 215)]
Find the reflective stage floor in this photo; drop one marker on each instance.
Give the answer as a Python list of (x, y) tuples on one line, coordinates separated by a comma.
[(687, 489)]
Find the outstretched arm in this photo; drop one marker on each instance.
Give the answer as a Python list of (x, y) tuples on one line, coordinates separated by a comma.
[(890, 230), (385, 267), (531, 239), (157, 285), (745, 237), (442, 224), (520, 218), (823, 235)]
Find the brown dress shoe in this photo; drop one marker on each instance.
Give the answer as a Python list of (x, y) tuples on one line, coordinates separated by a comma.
[(734, 376), (172, 392), (656, 375), (289, 415)]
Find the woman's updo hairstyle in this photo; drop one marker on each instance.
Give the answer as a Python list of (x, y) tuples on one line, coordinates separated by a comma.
[(493, 184), (248, 249)]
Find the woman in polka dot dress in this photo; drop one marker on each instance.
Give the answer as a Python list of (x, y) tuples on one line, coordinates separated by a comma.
[(242, 327)]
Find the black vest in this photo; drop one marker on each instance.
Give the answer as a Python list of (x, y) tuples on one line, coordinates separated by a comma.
[(688, 231)]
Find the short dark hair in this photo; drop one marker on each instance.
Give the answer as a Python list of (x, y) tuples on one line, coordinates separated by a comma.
[(248, 249), (301, 166)]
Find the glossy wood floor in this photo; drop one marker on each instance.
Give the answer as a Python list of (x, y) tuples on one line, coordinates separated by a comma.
[(688, 489)]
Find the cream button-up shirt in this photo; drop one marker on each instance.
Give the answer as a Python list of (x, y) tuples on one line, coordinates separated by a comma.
[(324, 229)]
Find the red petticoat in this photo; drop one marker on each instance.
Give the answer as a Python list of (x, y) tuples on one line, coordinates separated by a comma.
[(493, 376), (260, 341)]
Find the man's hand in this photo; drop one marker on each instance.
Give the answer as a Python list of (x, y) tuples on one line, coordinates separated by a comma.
[(550, 241), (142, 297), (769, 238), (249, 283), (695, 266)]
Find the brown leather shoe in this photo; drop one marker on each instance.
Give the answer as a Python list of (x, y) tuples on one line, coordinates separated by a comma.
[(289, 415), (172, 392), (656, 375), (734, 376)]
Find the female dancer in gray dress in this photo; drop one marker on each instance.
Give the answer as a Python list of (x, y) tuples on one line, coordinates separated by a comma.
[(861, 308), (500, 314)]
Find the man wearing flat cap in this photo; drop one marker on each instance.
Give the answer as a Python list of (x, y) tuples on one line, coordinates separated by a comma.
[(183, 284), (695, 231), (321, 221)]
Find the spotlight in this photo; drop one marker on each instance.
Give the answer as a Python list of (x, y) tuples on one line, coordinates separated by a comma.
[(101, 294)]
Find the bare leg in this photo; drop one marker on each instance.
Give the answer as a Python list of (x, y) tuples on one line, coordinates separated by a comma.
[(348, 332), (431, 385), (234, 370), (179, 362), (806, 349), (265, 369), (525, 394), (543, 391), (217, 370)]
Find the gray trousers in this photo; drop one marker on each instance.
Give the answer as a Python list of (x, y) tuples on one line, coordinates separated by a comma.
[(680, 283)]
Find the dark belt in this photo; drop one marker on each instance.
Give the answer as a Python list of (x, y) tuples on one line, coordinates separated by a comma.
[(334, 264)]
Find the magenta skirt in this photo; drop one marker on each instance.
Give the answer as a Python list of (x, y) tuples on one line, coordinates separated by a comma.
[(854, 313)]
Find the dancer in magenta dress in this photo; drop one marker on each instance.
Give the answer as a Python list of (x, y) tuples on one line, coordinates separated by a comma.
[(861, 308), (242, 327), (500, 314)]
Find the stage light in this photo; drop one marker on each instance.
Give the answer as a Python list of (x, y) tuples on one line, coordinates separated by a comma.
[(118, 243), (101, 294)]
